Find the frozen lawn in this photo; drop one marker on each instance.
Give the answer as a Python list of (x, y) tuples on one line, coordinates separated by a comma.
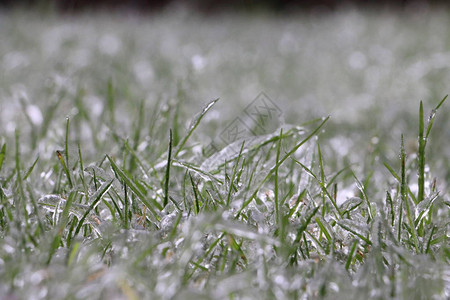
[(122, 177)]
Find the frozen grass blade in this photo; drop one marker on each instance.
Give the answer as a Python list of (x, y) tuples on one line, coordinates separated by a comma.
[(144, 168), (73, 254), (80, 157), (20, 185), (205, 175), (276, 187), (233, 178), (300, 233), (134, 187), (404, 196), (324, 228), (322, 186), (432, 117), (351, 254), (281, 161), (126, 207), (399, 180), (63, 220), (428, 245), (422, 144), (365, 239), (391, 207), (167, 177), (65, 159), (194, 123), (96, 198), (322, 181), (362, 189), (196, 198)]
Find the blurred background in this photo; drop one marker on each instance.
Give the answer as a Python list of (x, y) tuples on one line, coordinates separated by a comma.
[(365, 63), (210, 6)]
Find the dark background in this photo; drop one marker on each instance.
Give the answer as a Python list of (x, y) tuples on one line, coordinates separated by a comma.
[(210, 6)]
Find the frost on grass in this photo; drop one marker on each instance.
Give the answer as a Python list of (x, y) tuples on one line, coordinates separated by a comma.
[(259, 218)]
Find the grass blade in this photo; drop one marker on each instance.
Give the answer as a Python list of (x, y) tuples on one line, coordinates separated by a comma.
[(350, 255), (30, 169), (96, 199), (2, 155), (136, 190), (167, 177), (61, 225), (281, 161), (195, 122), (404, 196)]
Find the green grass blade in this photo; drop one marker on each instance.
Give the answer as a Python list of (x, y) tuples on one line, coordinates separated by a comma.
[(64, 166), (323, 227), (20, 187), (136, 190), (276, 186), (351, 254), (2, 155), (80, 157), (305, 224), (391, 207), (196, 200), (232, 186), (404, 195), (73, 254), (362, 189), (167, 176), (366, 240), (433, 116), (281, 161), (30, 169), (391, 170), (62, 223), (95, 200), (322, 185)]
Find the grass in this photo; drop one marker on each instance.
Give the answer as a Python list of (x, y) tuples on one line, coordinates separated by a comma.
[(112, 194)]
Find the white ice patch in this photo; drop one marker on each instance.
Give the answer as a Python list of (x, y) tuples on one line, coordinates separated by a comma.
[(35, 114), (198, 62), (345, 194)]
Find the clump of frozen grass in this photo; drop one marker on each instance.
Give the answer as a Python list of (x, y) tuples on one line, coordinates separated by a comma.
[(259, 222)]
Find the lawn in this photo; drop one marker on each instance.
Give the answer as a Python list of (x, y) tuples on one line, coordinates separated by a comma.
[(178, 156)]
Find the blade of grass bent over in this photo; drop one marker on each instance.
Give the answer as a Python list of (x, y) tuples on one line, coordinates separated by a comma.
[(194, 125)]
